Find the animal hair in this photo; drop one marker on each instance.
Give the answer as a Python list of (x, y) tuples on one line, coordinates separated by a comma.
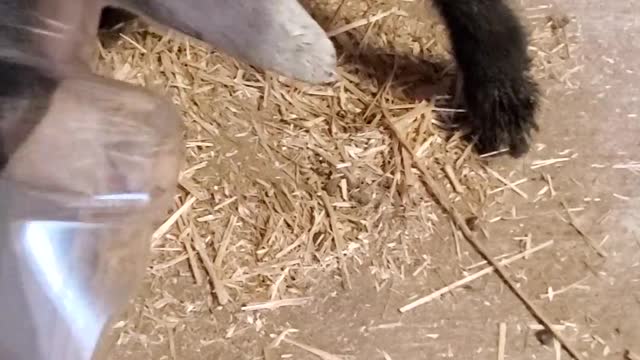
[(490, 48)]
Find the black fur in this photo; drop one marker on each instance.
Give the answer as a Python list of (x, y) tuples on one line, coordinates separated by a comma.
[(111, 17), (490, 46)]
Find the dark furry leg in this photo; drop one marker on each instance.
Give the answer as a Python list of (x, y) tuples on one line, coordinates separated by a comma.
[(111, 17), (490, 46)]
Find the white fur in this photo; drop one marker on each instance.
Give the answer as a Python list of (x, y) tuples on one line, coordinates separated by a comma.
[(277, 35)]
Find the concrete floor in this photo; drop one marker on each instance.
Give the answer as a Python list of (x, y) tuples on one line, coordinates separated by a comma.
[(599, 120)]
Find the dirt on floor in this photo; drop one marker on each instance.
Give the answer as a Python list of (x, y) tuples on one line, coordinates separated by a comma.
[(582, 187)]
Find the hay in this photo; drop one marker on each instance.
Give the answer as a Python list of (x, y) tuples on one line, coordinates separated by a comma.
[(502, 340), (464, 281), (310, 172), (284, 180)]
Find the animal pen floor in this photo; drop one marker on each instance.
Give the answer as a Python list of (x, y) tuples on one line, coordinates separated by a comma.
[(301, 211)]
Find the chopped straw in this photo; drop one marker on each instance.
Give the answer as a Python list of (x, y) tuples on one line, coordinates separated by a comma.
[(385, 355), (472, 277), (448, 169), (590, 241), (218, 285), (339, 241), (502, 340), (315, 351), (166, 226), (263, 150), (172, 343), (630, 355), (363, 22), (275, 304), (557, 349), (509, 184), (541, 163), (434, 187), (193, 263)]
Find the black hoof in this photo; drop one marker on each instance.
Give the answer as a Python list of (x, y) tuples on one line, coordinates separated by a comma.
[(503, 113)]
